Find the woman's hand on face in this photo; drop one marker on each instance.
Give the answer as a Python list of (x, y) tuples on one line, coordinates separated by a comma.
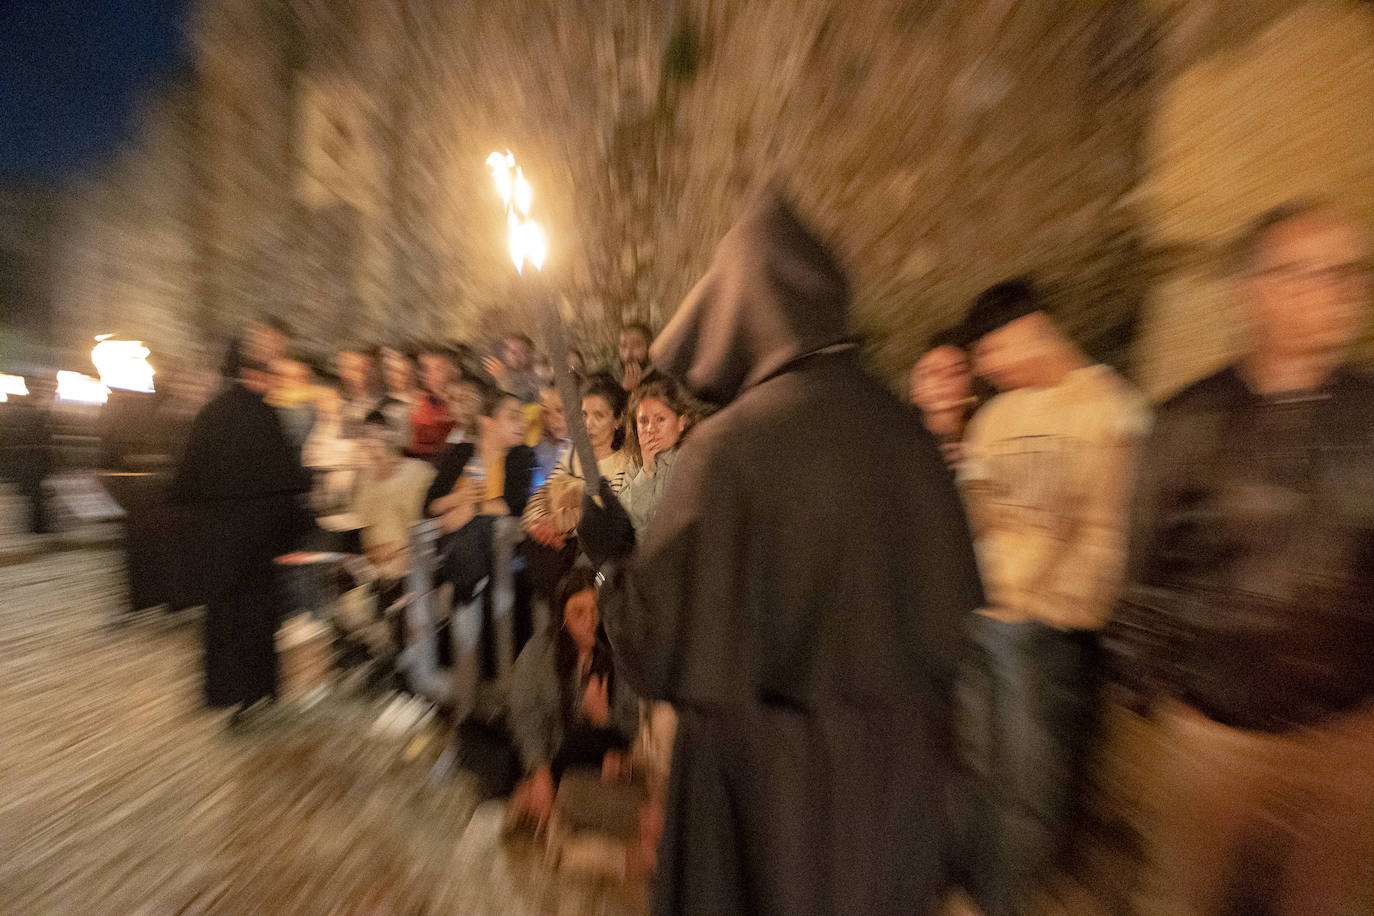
[(634, 374), (596, 704)]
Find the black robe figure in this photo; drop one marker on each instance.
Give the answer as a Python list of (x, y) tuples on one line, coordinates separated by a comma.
[(243, 483), (799, 598)]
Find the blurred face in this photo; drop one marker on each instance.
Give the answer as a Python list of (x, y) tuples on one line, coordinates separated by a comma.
[(264, 344), (1005, 357), (601, 421), (436, 372), (353, 370), (290, 375), (543, 370), (1309, 288), (580, 618), (659, 429), (507, 423), (634, 347), (376, 443), (464, 402), (397, 371), (551, 409), (517, 355), (941, 378)]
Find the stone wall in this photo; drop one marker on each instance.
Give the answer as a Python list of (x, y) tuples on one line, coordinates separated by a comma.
[(1287, 113), (325, 160)]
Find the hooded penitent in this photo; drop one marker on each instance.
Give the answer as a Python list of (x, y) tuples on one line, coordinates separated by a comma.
[(798, 597), (772, 295)]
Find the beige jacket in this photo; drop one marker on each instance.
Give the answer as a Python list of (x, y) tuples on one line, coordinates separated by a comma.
[(1046, 477)]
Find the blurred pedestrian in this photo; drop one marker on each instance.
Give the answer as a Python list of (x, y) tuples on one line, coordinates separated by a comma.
[(1046, 471), (243, 480), (1247, 621)]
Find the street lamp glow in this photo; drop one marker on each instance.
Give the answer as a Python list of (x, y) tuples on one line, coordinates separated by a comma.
[(123, 364), (12, 385), (80, 389)]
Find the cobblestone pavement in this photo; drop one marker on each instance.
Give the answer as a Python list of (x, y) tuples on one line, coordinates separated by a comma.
[(120, 795)]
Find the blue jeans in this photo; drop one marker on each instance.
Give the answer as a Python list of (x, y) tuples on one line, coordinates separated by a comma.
[(1027, 715)]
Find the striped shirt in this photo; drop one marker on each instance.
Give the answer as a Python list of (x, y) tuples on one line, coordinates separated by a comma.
[(560, 497)]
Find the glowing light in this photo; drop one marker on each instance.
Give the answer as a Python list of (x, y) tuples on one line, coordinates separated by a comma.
[(80, 389), (501, 167), (524, 194), (525, 238), (123, 364), (12, 385)]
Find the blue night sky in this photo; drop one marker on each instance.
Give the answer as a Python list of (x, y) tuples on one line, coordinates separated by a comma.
[(71, 75)]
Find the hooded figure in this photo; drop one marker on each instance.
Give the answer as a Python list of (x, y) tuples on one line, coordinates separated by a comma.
[(799, 599)]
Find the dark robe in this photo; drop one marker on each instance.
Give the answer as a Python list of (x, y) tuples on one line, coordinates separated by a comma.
[(799, 598), (243, 482)]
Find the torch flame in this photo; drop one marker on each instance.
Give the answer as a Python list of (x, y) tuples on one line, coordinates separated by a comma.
[(500, 170), (523, 193), (526, 240)]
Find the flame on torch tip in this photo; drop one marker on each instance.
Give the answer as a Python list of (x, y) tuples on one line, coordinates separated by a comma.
[(526, 240), (523, 193), (501, 166), (536, 245), (517, 247)]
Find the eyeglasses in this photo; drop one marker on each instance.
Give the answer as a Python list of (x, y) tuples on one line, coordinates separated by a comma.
[(1308, 276)]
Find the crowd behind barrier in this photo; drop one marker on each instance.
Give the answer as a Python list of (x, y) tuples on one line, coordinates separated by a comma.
[(1206, 565)]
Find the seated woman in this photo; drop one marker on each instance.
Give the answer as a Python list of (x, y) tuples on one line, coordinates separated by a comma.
[(660, 415), (567, 709)]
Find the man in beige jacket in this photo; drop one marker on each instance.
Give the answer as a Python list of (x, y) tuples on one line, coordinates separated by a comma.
[(1046, 475)]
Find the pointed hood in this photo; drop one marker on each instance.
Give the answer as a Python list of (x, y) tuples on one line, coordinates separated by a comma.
[(773, 294)]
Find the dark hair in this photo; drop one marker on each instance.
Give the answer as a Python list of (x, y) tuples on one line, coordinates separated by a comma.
[(1245, 249), (953, 336), (999, 305), (277, 324), (492, 396), (375, 418), (235, 360), (579, 579), (603, 385), (662, 388), (521, 337)]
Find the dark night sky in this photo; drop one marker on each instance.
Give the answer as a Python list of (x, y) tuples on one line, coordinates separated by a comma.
[(71, 75)]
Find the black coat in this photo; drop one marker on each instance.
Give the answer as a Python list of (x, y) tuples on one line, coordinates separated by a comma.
[(519, 479), (243, 483), (799, 598)]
